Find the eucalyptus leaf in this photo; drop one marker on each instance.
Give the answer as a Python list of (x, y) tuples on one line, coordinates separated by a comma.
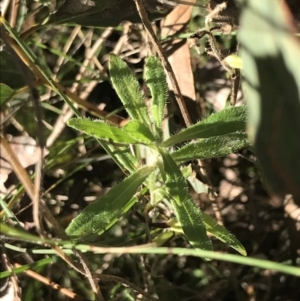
[(128, 89), (105, 211), (156, 81), (213, 147), (226, 121), (187, 213), (271, 56)]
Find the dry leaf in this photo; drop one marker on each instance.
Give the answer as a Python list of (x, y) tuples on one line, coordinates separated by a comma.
[(180, 58), (25, 149)]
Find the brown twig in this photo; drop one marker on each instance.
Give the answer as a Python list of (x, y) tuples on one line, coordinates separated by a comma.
[(50, 283)]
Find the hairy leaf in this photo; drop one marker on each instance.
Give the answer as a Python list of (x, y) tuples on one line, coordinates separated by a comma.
[(134, 132), (139, 132), (128, 89), (105, 211), (227, 121), (188, 214), (213, 147), (156, 81)]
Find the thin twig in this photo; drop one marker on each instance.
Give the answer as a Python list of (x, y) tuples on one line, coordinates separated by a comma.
[(94, 284), (50, 283), (144, 17)]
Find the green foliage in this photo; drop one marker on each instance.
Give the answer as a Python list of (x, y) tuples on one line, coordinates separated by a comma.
[(227, 121), (132, 133), (188, 215), (271, 56), (127, 88), (223, 133), (213, 147), (5, 94), (105, 211), (47, 60), (156, 81)]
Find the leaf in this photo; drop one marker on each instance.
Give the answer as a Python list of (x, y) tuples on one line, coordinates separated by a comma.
[(106, 211), (233, 61), (122, 156), (139, 132), (187, 213), (180, 57), (213, 147), (216, 230), (227, 121), (5, 93), (156, 81), (128, 89), (271, 56), (223, 234), (103, 131)]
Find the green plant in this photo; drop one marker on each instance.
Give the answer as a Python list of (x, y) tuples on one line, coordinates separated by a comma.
[(220, 134), (136, 217)]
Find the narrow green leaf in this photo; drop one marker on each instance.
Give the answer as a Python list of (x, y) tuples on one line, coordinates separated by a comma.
[(122, 156), (188, 214), (162, 238), (107, 210), (212, 147), (103, 131), (175, 181), (223, 234), (197, 185), (32, 266), (128, 89), (227, 121), (18, 233), (156, 81), (5, 93), (271, 56), (140, 132), (216, 230)]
